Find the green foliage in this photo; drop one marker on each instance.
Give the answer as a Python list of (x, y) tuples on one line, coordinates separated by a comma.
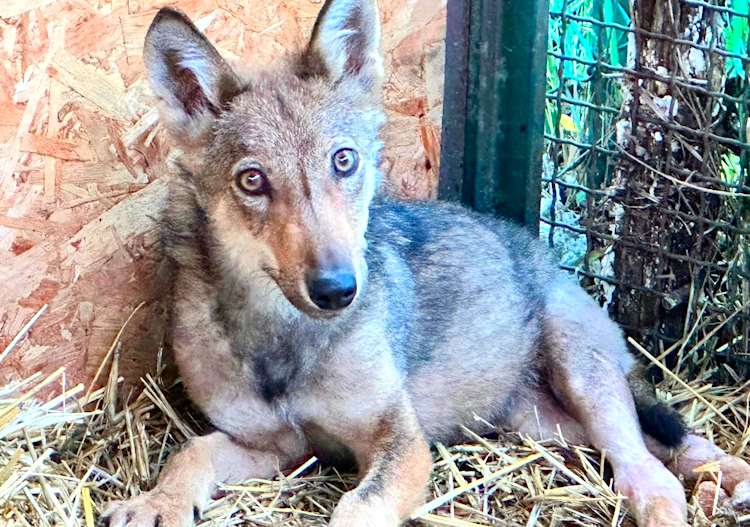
[(597, 38), (736, 34), (616, 12), (731, 168)]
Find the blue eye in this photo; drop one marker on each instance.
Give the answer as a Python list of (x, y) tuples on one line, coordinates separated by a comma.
[(345, 162)]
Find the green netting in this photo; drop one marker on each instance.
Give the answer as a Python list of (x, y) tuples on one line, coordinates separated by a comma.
[(645, 171)]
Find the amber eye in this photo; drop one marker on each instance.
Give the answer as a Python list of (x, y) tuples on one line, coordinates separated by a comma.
[(345, 162), (252, 181)]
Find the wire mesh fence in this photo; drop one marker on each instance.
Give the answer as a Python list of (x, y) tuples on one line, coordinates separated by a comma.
[(645, 187)]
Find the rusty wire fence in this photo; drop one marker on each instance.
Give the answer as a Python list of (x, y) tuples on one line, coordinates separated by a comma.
[(645, 187)]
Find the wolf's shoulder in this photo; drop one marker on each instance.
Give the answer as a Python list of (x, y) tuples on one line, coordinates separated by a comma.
[(400, 221), (434, 237)]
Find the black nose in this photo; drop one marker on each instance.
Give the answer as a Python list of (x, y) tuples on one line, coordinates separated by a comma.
[(332, 289)]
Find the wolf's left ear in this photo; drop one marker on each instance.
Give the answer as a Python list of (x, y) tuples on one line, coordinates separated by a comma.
[(345, 43), (187, 73)]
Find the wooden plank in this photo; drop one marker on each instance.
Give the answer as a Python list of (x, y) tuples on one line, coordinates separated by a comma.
[(450, 186), (92, 84), (82, 155), (57, 148), (13, 8), (493, 129)]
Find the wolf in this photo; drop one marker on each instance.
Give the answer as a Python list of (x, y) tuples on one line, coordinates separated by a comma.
[(311, 314)]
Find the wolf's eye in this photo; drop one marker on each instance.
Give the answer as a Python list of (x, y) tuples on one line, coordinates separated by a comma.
[(252, 181), (345, 162)]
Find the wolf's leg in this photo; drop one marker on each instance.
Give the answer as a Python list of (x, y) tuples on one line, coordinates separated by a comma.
[(542, 417), (395, 463), (585, 361), (656, 497), (605, 408), (190, 477), (696, 451)]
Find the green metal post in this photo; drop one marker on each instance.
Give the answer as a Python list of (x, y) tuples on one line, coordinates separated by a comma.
[(493, 129)]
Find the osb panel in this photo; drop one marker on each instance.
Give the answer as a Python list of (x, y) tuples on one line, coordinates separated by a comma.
[(82, 158)]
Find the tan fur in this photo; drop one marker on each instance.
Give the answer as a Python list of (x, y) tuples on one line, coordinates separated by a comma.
[(187, 481), (391, 482)]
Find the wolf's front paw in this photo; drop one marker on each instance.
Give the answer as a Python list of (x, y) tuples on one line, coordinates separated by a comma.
[(151, 509), (353, 511)]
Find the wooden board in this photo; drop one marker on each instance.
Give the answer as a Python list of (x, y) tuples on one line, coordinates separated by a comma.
[(82, 160)]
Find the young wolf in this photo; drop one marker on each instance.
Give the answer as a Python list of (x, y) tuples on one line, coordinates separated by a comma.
[(307, 316)]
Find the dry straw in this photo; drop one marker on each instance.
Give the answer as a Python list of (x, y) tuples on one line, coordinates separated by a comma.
[(62, 460)]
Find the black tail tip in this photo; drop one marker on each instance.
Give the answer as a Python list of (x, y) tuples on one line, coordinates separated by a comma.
[(663, 424)]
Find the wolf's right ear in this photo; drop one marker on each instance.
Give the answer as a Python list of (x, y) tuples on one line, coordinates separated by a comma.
[(187, 73), (345, 43)]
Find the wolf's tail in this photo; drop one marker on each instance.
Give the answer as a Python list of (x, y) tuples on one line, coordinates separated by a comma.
[(657, 419)]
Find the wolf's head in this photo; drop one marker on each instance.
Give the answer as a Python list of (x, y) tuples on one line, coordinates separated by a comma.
[(284, 163)]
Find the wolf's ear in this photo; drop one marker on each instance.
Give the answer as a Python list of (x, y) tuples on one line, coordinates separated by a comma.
[(187, 74), (346, 43)]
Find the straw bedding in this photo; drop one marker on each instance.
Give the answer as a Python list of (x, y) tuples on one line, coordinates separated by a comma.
[(62, 460)]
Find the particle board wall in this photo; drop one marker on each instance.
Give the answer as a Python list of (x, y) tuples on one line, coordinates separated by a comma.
[(83, 159)]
